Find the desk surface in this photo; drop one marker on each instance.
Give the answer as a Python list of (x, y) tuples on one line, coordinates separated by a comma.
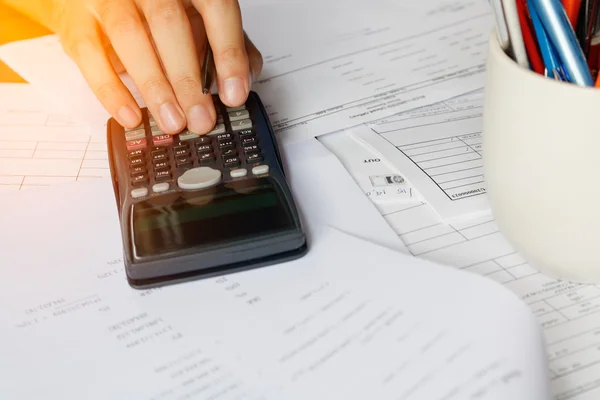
[(13, 27)]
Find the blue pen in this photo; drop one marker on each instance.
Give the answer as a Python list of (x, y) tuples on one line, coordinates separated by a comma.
[(551, 60), (556, 24)]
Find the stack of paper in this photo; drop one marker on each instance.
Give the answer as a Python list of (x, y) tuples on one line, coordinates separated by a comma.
[(358, 317)]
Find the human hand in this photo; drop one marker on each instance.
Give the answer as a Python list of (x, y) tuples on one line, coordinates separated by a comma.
[(160, 44)]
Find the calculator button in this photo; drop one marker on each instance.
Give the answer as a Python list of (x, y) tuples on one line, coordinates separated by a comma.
[(184, 162), (202, 140), (242, 124), (160, 187), (229, 153), (252, 158), (139, 178), (136, 153), (260, 170), (238, 173), (162, 140), (137, 134), (139, 192), (218, 129), (206, 159), (233, 109), (246, 132), (206, 148), (159, 157), (158, 149), (137, 170), (162, 165), (199, 178), (224, 136), (231, 162), (155, 131), (181, 152), (239, 115), (152, 121), (187, 136), (251, 148), (162, 176), (248, 141), (136, 161), (136, 144), (226, 145), (140, 126)]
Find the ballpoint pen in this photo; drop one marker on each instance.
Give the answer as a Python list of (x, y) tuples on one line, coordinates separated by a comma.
[(551, 60), (207, 68), (561, 35), (531, 46), (572, 9)]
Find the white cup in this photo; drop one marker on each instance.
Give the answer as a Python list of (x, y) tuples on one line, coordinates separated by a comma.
[(541, 151)]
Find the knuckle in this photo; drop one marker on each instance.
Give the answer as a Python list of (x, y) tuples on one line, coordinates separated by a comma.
[(231, 54), (107, 91), (165, 12), (152, 85), (187, 83)]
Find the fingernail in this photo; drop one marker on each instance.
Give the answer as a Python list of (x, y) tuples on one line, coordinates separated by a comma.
[(171, 117), (235, 92), (199, 119), (128, 117)]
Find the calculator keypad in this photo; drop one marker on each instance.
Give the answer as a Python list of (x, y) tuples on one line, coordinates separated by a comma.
[(159, 162)]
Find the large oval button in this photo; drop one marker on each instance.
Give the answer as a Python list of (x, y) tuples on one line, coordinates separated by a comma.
[(199, 178)]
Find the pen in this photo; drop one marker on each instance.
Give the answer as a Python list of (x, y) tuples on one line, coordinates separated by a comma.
[(530, 43), (514, 32), (551, 60), (556, 24), (572, 10), (501, 28), (207, 68)]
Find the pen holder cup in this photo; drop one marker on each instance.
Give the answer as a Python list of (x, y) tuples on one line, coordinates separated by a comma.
[(541, 144)]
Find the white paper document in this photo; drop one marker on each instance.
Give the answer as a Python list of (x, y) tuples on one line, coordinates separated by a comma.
[(438, 149), (378, 180), (371, 60), (40, 146), (350, 320)]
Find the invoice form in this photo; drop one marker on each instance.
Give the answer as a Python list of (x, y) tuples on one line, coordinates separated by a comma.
[(328, 65), (315, 327), (438, 149)]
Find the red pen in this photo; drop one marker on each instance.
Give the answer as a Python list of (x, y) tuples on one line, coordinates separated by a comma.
[(535, 59), (572, 9)]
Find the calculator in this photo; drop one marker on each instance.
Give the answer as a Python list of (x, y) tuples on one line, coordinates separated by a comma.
[(195, 206)]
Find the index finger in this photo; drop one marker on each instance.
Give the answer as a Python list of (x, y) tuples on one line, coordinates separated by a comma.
[(223, 22)]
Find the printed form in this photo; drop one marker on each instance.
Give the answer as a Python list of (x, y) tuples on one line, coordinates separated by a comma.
[(438, 149), (40, 146), (414, 325), (371, 62), (569, 313)]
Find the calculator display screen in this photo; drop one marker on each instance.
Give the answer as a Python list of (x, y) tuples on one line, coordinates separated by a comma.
[(209, 217)]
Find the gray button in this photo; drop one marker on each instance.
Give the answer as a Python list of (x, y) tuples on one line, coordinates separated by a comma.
[(240, 108), (241, 125), (140, 126), (239, 115), (160, 187), (238, 173), (260, 169), (220, 128), (139, 192), (187, 135), (135, 135), (199, 178), (156, 131)]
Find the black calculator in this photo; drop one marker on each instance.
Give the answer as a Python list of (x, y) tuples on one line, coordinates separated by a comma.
[(195, 206)]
